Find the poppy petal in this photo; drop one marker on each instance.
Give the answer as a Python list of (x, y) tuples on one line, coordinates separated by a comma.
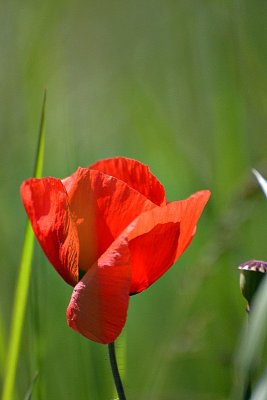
[(103, 206), (188, 212), (136, 175), (46, 204), (160, 236), (152, 254), (99, 303)]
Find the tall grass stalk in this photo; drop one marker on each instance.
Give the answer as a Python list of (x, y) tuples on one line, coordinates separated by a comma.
[(252, 341), (2, 345), (22, 288)]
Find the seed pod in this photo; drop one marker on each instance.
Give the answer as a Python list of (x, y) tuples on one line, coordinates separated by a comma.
[(251, 275)]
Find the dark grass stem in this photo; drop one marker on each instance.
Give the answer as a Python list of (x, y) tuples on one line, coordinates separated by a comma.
[(115, 371)]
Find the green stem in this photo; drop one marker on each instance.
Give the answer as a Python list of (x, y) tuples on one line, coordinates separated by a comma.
[(115, 371), (248, 383)]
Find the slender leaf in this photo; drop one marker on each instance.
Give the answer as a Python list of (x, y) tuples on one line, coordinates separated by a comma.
[(2, 345), (262, 182), (22, 288), (253, 338), (29, 391), (260, 392)]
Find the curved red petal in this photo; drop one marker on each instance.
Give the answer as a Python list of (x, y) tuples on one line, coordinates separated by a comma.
[(102, 206), (152, 254), (46, 204), (136, 175), (188, 212), (160, 236), (99, 303)]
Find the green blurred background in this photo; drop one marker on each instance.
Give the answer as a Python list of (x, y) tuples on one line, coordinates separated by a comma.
[(181, 86)]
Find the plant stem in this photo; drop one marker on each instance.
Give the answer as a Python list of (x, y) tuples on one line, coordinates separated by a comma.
[(115, 371), (248, 384)]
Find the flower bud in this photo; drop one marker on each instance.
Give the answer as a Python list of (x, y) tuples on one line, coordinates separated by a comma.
[(251, 274)]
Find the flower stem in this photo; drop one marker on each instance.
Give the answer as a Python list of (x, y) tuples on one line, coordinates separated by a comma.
[(115, 371)]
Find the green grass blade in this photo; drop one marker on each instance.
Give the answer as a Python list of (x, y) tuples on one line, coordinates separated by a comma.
[(252, 340), (22, 288), (260, 391), (2, 346), (39, 160), (29, 391), (262, 182)]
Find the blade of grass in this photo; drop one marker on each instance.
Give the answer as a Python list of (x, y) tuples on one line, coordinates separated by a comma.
[(22, 288), (254, 336), (252, 340), (262, 182), (29, 391), (260, 391), (2, 345)]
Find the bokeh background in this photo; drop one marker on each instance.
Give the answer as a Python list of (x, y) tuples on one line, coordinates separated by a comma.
[(180, 85)]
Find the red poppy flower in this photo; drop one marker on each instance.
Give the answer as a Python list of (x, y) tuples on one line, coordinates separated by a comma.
[(109, 232)]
